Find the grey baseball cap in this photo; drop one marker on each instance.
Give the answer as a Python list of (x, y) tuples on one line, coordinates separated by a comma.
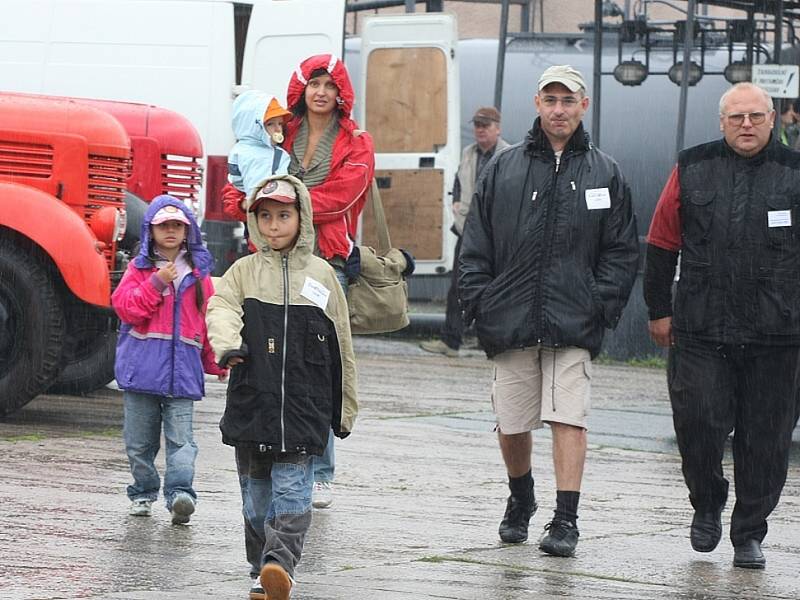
[(563, 74)]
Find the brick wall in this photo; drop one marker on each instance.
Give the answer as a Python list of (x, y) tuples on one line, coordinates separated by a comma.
[(482, 20)]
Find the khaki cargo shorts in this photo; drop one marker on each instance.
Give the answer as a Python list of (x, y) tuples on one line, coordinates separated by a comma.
[(537, 385)]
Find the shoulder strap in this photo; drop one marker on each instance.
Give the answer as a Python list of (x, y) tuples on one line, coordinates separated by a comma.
[(276, 158), (381, 229)]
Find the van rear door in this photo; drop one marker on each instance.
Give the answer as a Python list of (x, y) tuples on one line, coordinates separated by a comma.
[(282, 34), (410, 106)]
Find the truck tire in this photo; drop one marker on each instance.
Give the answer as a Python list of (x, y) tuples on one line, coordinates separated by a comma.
[(88, 354), (31, 328)]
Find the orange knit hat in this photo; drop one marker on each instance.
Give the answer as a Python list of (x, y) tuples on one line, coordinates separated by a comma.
[(274, 109)]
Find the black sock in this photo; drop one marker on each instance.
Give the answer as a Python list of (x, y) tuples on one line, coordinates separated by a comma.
[(521, 487), (567, 506)]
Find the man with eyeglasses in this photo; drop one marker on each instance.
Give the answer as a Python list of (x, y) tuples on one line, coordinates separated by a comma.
[(548, 260), (730, 209), (486, 127)]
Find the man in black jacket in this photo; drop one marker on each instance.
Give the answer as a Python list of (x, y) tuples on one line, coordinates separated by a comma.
[(548, 260), (730, 208)]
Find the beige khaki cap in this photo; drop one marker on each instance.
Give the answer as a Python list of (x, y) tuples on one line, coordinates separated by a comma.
[(279, 190), (563, 74)]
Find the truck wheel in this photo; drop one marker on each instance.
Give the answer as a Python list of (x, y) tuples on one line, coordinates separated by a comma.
[(31, 328), (88, 353)]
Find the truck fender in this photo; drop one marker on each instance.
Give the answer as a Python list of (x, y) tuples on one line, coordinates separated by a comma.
[(62, 234)]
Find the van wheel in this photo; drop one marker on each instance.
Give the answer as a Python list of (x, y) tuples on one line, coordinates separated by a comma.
[(88, 353), (31, 328)]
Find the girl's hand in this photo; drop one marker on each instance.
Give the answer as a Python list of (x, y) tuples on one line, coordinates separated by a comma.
[(223, 376), (168, 273)]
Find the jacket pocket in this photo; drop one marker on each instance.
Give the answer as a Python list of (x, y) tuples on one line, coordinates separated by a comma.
[(698, 215), (778, 303), (691, 298), (316, 343), (783, 235), (597, 302)]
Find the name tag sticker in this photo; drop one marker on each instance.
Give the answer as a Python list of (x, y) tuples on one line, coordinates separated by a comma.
[(316, 292), (779, 218), (598, 198)]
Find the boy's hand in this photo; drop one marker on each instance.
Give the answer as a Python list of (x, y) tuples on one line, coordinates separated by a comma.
[(168, 273), (233, 361)]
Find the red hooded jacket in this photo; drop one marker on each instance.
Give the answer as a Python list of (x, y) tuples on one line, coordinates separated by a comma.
[(337, 202)]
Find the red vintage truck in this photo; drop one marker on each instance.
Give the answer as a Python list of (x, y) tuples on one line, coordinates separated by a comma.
[(74, 178)]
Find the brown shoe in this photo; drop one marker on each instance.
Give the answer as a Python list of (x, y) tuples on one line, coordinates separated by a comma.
[(276, 582), (439, 347)]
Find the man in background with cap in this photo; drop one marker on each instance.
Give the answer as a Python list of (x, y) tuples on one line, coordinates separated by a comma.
[(548, 259), (486, 125)]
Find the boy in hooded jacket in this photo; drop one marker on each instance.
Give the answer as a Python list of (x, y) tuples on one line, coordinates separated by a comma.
[(162, 352), (279, 318)]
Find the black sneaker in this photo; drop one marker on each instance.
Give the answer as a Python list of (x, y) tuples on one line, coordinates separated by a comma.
[(560, 538), (514, 526)]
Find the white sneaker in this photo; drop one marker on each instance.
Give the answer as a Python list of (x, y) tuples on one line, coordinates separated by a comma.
[(322, 494), (256, 589), (182, 508), (141, 507)]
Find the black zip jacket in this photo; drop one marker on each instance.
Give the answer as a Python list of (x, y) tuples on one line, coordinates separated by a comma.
[(550, 251)]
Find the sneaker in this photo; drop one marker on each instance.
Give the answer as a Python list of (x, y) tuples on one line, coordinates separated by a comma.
[(141, 507), (182, 508), (560, 538), (439, 347), (514, 526), (276, 582), (322, 494), (256, 589)]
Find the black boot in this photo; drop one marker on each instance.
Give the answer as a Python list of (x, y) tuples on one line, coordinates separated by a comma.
[(706, 530)]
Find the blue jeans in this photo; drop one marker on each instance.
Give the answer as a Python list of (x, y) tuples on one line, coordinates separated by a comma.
[(144, 414), (276, 505), (325, 465)]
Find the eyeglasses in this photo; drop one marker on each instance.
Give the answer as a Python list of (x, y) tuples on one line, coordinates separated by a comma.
[(737, 119), (566, 101)]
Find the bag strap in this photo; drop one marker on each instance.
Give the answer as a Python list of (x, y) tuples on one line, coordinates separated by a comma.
[(276, 159), (381, 229)]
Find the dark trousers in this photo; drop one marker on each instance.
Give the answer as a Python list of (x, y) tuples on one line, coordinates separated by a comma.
[(453, 323), (751, 390)]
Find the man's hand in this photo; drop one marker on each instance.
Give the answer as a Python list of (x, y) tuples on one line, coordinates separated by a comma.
[(234, 360), (456, 209), (661, 332), (168, 273)]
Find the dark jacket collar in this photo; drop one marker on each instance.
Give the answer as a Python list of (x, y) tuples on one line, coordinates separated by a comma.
[(536, 141)]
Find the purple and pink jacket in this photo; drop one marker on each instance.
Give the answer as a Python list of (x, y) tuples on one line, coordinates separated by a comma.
[(163, 346)]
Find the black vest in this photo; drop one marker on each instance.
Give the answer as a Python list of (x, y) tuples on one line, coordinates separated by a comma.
[(740, 253)]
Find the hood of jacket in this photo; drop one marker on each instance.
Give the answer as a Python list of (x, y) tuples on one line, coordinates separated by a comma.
[(338, 72), (304, 246), (201, 258), (247, 117)]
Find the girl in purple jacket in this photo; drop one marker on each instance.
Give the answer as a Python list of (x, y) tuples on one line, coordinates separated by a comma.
[(162, 353)]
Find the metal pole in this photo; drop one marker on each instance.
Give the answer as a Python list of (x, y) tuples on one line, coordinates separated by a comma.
[(687, 55), (777, 57), (525, 17), (501, 56), (597, 74)]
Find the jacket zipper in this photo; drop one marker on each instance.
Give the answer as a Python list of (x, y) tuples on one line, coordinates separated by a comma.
[(549, 208), (285, 267)]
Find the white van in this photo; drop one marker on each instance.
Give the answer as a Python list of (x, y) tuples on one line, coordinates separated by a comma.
[(190, 56)]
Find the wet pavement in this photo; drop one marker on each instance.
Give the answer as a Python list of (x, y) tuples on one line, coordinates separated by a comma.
[(419, 492)]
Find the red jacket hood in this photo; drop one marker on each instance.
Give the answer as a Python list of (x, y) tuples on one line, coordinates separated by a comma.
[(338, 72)]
